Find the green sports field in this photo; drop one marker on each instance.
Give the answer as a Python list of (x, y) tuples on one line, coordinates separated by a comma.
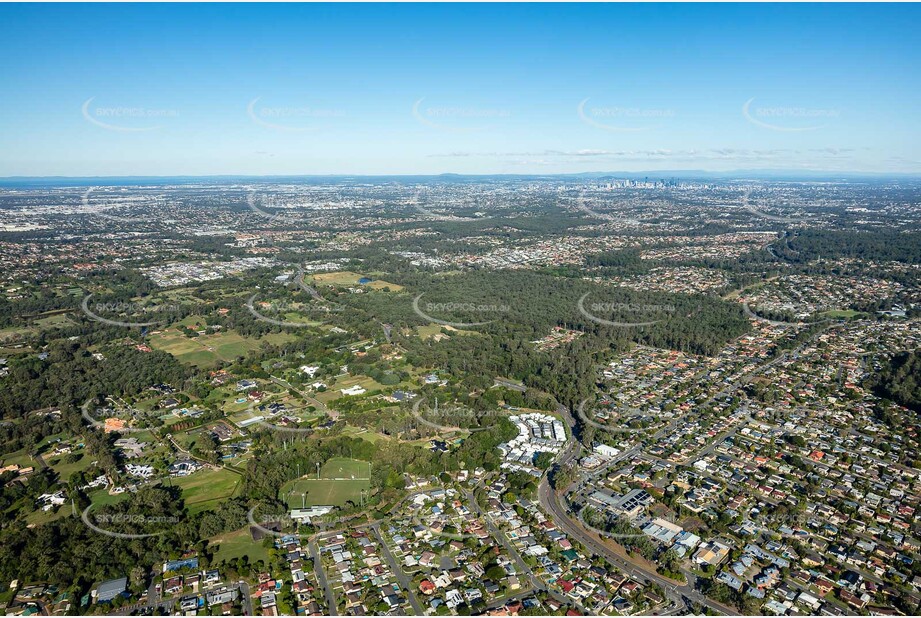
[(209, 349), (233, 545), (347, 277), (206, 489), (341, 479)]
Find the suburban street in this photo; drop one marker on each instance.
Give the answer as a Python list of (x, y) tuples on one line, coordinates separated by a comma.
[(397, 569), (536, 582), (321, 577)]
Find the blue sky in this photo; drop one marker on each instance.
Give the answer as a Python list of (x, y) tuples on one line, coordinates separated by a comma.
[(147, 89)]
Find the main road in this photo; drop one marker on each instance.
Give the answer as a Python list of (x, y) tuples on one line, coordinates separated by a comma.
[(639, 570), (550, 502)]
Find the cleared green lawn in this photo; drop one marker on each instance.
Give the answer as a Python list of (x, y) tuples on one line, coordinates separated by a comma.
[(54, 321), (311, 492), (206, 488), (51, 321), (840, 313), (102, 497), (20, 457), (347, 277), (345, 382), (343, 467), (364, 434), (13, 351), (199, 358), (341, 480), (64, 470), (209, 349), (39, 517), (233, 545), (428, 330)]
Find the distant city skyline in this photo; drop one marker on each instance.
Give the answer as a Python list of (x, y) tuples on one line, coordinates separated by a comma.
[(198, 90)]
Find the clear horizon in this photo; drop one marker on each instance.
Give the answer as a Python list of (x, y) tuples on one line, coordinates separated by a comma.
[(762, 174), (380, 90)]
